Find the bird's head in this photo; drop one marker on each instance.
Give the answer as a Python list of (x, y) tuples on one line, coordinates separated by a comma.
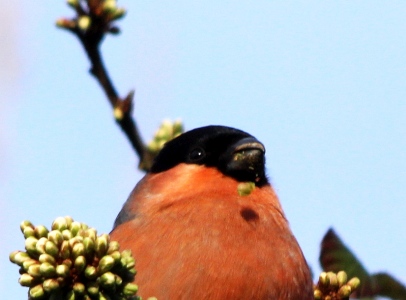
[(233, 152)]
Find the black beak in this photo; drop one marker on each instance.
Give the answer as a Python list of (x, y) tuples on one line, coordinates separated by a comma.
[(245, 161)]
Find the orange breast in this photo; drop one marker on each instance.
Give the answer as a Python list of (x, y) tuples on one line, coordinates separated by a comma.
[(194, 237)]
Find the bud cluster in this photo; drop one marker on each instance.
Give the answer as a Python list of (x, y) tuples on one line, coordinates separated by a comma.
[(167, 131), (72, 262), (88, 11), (334, 286)]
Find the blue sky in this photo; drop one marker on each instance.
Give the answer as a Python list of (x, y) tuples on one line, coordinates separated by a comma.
[(320, 83)]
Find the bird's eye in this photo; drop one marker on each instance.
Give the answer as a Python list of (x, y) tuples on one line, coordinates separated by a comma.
[(197, 154)]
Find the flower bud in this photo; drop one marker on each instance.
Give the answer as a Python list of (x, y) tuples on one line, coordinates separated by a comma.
[(89, 245), (90, 272), (75, 227), (68, 220), (29, 231), (354, 283), (107, 280), (324, 279), (19, 257), (34, 270), (93, 288), (84, 22), (67, 234), (25, 224), (51, 249), (47, 258), (102, 244), (40, 246), (105, 264), (62, 270), (344, 291), (80, 264), (30, 244), (333, 279), (65, 250), (60, 224), (36, 292), (113, 246), (55, 236), (28, 263), (41, 231), (78, 249), (26, 280), (50, 285), (130, 289), (79, 288), (47, 270), (318, 295), (341, 278)]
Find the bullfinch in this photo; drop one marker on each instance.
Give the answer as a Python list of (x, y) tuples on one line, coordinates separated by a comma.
[(204, 223)]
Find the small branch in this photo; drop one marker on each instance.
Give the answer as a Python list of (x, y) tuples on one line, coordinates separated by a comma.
[(90, 27)]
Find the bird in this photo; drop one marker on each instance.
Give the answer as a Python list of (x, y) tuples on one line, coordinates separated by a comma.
[(205, 223)]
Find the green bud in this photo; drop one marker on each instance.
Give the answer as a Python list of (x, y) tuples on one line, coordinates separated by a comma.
[(34, 270), (91, 233), (78, 249), (84, 22), (65, 250), (113, 246), (130, 289), (50, 285), (103, 296), (19, 257), (75, 240), (28, 263), (90, 272), (60, 224), (75, 227), (344, 291), (118, 280), (342, 278), (55, 236), (26, 280), (93, 288), (109, 5), (89, 245), (354, 283), (116, 255), (47, 258), (51, 249), (324, 279), (333, 279), (40, 246), (107, 280), (106, 264), (245, 188), (73, 3), (80, 264), (102, 244), (41, 231), (67, 234), (71, 295), (47, 270), (79, 288), (62, 270), (30, 244), (67, 262), (117, 14), (13, 255), (25, 224), (318, 295), (36, 292), (68, 220), (29, 231)]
